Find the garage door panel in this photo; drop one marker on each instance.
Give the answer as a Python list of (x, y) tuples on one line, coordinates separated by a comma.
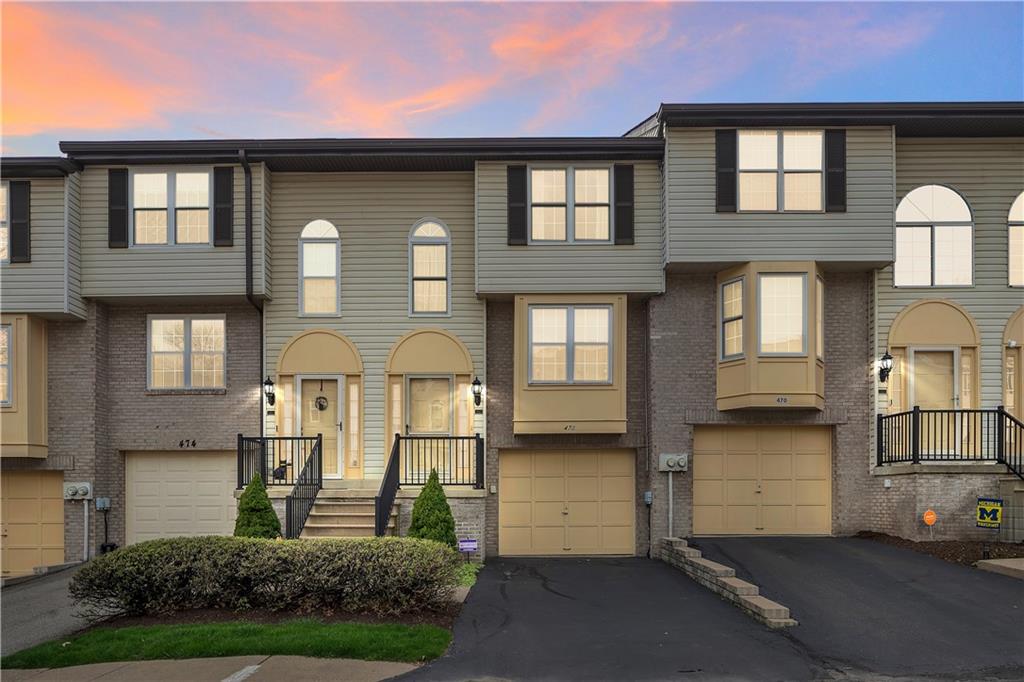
[(775, 480), (32, 511), (580, 502)]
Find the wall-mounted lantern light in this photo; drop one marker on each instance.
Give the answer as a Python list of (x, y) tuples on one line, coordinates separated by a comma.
[(478, 391), (268, 390), (884, 367)]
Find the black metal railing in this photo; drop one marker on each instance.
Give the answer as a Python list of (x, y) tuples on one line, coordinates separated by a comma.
[(458, 460), (307, 485), (984, 435), (277, 459), (385, 499)]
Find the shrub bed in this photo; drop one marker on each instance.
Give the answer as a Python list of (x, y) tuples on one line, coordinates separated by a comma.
[(383, 576)]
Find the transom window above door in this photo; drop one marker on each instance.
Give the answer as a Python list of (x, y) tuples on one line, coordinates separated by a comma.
[(319, 268), (429, 266), (170, 207), (781, 170), (570, 204), (934, 239)]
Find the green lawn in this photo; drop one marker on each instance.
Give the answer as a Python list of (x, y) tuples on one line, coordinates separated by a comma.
[(467, 573), (372, 642)]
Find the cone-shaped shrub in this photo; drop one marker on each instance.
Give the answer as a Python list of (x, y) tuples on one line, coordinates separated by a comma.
[(256, 516), (431, 516)]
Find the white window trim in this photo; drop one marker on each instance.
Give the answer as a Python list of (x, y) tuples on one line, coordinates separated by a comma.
[(172, 232), (722, 319), (780, 172), (570, 204), (570, 344), (931, 242), (8, 400), (186, 352), (6, 224), (337, 272), (760, 315), (445, 241), (1010, 226)]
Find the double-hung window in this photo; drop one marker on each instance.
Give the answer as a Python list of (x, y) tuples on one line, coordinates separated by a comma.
[(732, 319), (781, 170), (570, 204), (170, 207), (570, 344), (319, 267), (187, 352), (934, 239), (1015, 227), (5, 223), (430, 257), (782, 313), (6, 344)]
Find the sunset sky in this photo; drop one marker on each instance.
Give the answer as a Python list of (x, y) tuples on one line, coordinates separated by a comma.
[(197, 70)]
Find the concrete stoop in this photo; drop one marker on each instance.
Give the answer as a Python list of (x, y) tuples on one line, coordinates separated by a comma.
[(722, 580)]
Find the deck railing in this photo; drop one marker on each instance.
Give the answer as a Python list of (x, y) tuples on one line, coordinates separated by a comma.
[(984, 435)]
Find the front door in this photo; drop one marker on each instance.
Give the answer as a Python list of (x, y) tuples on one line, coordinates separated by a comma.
[(319, 412), (429, 413), (934, 388)]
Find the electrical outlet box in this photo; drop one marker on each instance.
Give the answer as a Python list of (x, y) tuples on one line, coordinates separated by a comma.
[(673, 461), (78, 491), (648, 497), (102, 503)]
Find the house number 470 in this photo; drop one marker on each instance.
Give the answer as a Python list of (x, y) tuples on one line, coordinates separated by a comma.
[(187, 443)]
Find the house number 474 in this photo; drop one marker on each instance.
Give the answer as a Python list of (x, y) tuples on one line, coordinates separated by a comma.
[(187, 443)]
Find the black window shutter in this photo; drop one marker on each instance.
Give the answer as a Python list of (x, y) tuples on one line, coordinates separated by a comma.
[(117, 208), (623, 177), (516, 178), (223, 206), (21, 233), (835, 171), (725, 171)]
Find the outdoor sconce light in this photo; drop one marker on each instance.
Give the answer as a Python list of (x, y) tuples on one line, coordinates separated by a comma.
[(268, 390), (478, 391), (884, 367)]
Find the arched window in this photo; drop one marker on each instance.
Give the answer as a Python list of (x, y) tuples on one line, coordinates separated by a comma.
[(319, 268), (1016, 236), (934, 239), (429, 264)]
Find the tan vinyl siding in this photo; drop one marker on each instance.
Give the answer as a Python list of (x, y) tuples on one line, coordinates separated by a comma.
[(75, 304), (38, 286), (374, 213), (568, 268), (697, 234), (989, 174), (165, 271)]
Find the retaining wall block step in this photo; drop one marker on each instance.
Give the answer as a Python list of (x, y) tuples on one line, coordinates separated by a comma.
[(765, 607), (713, 567), (776, 623), (739, 587)]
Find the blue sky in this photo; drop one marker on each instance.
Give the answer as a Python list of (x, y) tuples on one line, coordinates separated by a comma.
[(199, 70)]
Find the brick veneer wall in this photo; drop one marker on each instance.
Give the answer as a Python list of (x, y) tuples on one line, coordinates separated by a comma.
[(98, 405), (500, 359), (683, 378), (469, 513)]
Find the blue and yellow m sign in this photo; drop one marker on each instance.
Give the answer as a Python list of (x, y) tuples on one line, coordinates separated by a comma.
[(990, 512)]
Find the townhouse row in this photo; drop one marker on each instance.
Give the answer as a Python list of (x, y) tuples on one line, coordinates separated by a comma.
[(735, 319)]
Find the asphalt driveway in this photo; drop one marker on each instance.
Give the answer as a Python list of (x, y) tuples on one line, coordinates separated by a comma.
[(36, 611), (867, 612)]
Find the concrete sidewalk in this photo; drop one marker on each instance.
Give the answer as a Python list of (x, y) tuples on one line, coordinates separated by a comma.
[(227, 669)]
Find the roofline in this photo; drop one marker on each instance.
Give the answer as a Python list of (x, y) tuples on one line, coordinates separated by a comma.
[(36, 166), (268, 149)]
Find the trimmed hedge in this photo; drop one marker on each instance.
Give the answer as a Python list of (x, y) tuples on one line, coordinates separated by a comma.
[(385, 576)]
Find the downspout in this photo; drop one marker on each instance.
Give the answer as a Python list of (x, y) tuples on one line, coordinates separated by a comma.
[(249, 296)]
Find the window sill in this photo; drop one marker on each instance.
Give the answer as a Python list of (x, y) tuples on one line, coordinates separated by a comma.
[(186, 391)]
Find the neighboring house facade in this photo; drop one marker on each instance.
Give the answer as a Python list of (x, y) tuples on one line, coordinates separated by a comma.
[(549, 323)]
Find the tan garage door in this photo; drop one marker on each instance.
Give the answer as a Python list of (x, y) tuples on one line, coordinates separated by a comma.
[(553, 502), (168, 494), (32, 514), (762, 480)]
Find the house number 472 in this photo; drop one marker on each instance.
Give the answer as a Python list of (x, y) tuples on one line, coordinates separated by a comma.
[(187, 443)]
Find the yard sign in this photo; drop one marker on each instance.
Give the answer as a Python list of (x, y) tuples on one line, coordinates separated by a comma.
[(990, 512)]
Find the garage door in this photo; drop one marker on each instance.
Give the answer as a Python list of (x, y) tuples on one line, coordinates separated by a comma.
[(32, 514), (553, 502), (168, 494), (762, 480)]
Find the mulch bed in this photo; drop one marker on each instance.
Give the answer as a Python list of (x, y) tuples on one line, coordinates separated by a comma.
[(965, 552), (444, 618)]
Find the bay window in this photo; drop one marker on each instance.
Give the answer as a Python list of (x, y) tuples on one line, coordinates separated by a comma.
[(186, 352), (782, 314), (170, 207), (732, 319), (6, 342), (570, 344)]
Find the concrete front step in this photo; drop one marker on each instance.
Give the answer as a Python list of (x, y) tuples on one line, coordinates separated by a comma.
[(333, 507), (341, 531), (323, 518)]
